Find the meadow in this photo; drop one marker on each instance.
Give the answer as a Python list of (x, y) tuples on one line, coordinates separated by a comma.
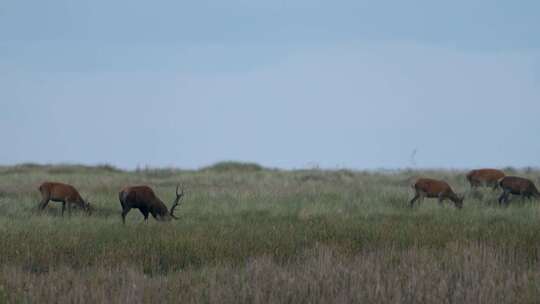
[(248, 234)]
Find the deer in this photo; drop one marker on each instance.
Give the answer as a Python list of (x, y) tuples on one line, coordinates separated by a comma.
[(432, 188), (64, 193), (485, 177), (144, 199), (516, 186)]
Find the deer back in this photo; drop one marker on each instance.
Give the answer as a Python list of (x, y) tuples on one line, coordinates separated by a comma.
[(142, 197), (432, 187), (60, 192), (518, 185), (485, 175)]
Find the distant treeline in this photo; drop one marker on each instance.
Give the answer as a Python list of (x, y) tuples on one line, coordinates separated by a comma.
[(223, 166)]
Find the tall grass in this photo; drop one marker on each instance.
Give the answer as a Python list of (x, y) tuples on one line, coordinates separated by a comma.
[(266, 236)]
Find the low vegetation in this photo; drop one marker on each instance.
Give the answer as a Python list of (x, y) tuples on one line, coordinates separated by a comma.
[(254, 235)]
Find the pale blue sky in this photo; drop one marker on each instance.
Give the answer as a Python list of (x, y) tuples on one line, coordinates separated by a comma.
[(357, 84)]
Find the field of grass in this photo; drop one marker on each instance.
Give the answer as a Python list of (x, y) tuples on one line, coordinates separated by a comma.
[(247, 234)]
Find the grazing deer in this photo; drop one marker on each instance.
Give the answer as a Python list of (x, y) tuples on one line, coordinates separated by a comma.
[(516, 186), (144, 199), (64, 193), (432, 188), (485, 177)]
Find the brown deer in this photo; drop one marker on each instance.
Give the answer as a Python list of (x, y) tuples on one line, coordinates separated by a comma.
[(144, 199), (485, 177), (516, 186), (432, 188), (64, 193)]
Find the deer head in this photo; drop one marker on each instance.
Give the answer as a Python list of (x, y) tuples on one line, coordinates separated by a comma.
[(459, 201)]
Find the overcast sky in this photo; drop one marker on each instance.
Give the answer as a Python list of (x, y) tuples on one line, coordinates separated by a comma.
[(289, 84)]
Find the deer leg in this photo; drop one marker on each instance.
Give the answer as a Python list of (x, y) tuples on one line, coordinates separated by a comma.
[(43, 203), (145, 214), (63, 208), (124, 213), (69, 208), (416, 196)]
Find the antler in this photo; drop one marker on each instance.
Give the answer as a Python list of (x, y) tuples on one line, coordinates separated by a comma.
[(176, 201)]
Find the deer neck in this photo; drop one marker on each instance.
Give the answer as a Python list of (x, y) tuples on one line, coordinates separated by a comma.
[(453, 197), (160, 208)]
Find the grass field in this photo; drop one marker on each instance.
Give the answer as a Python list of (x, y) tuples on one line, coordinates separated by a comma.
[(252, 235)]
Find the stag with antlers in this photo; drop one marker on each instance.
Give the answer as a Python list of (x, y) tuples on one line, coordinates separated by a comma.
[(144, 199)]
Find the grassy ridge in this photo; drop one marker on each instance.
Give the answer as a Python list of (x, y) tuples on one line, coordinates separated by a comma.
[(259, 235)]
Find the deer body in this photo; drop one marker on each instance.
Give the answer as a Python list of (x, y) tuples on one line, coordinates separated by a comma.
[(64, 193), (516, 186), (144, 199), (432, 188), (485, 177)]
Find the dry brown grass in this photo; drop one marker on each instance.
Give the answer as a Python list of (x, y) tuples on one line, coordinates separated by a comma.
[(461, 274)]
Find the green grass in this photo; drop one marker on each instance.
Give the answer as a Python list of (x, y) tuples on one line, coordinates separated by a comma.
[(250, 234)]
